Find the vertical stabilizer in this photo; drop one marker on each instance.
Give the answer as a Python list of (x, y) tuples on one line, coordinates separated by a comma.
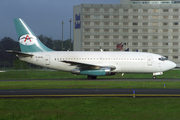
[(27, 39)]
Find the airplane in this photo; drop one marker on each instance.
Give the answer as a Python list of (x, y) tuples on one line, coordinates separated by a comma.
[(90, 63)]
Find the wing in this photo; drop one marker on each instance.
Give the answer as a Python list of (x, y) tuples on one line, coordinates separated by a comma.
[(87, 66)]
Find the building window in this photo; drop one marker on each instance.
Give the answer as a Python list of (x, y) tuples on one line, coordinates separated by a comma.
[(165, 30), (135, 23), (144, 50), (155, 37), (96, 43), (106, 43), (96, 23), (106, 16), (86, 49), (86, 43), (106, 23), (144, 37), (134, 30), (115, 37), (154, 30), (175, 50), (175, 30), (165, 24), (165, 17), (175, 23), (175, 43), (116, 30), (116, 10), (155, 10), (87, 9), (144, 17), (144, 30), (135, 43), (87, 36), (106, 30), (155, 17), (86, 23), (106, 37), (165, 37), (116, 23), (145, 10), (125, 30), (86, 16), (155, 44), (154, 50), (96, 10), (135, 10), (135, 17), (155, 24), (145, 44), (125, 10), (145, 24), (165, 10), (125, 23), (87, 30), (175, 37), (175, 57), (165, 50), (115, 43), (106, 10), (125, 17), (175, 17), (96, 16), (96, 36), (165, 44), (116, 17), (96, 30), (125, 37), (135, 37), (175, 10)]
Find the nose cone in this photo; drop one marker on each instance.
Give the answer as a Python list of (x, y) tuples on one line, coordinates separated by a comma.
[(172, 65)]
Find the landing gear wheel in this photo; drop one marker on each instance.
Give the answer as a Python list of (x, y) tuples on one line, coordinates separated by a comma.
[(91, 77), (154, 77)]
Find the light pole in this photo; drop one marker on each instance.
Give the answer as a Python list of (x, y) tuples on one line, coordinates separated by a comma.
[(62, 35), (70, 35)]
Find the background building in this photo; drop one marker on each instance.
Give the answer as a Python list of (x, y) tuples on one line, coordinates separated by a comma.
[(149, 26)]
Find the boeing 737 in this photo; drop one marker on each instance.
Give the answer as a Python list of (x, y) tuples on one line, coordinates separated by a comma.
[(92, 63)]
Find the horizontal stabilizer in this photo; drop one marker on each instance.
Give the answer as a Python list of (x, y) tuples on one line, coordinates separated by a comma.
[(19, 53)]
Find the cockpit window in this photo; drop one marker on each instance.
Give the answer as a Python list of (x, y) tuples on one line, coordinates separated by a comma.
[(162, 58)]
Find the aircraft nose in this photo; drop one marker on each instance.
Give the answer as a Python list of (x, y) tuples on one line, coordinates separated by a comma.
[(172, 65)]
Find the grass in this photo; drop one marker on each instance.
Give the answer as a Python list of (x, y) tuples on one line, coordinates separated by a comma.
[(173, 74), (100, 108), (88, 84)]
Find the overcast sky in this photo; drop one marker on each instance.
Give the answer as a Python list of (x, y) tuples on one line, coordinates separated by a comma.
[(42, 16)]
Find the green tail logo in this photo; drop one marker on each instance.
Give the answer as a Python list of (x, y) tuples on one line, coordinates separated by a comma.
[(27, 39)]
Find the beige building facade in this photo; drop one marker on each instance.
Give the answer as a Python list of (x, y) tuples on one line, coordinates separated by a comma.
[(143, 25)]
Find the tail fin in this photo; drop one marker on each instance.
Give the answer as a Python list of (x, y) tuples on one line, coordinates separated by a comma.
[(27, 39)]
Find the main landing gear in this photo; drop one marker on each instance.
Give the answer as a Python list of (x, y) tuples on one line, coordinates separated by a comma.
[(91, 77), (154, 77)]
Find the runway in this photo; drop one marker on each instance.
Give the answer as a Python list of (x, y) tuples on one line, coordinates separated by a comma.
[(99, 79), (50, 93)]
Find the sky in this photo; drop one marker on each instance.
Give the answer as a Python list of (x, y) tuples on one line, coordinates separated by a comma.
[(42, 16)]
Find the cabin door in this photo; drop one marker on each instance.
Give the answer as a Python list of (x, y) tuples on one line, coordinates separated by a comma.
[(149, 60), (47, 61)]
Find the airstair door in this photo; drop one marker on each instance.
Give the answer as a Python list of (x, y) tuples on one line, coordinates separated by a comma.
[(47, 60), (149, 60)]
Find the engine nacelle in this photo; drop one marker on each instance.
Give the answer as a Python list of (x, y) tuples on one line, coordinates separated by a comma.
[(99, 72)]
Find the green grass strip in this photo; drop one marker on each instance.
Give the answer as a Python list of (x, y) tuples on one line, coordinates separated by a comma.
[(33, 74), (93, 108)]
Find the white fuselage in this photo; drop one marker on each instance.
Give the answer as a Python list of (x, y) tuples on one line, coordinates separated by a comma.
[(132, 62)]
